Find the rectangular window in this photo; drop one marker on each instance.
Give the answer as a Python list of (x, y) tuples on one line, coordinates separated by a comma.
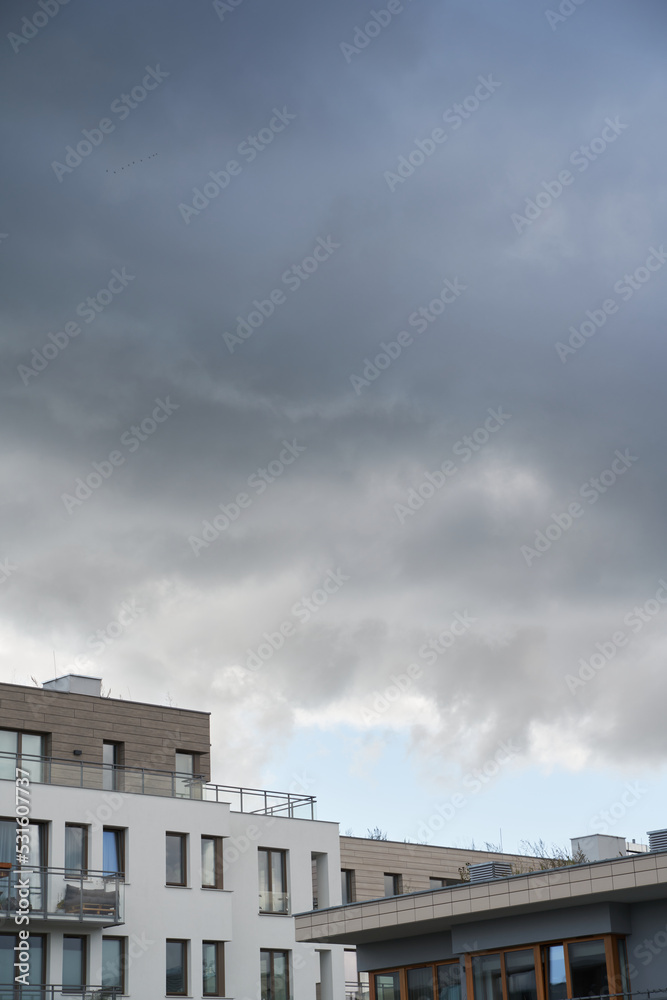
[(588, 968), (347, 885), (449, 981), (273, 896), (211, 862), (184, 786), (392, 885), (177, 968), (487, 977), (113, 851), (76, 849), (554, 968), (520, 975), (176, 859), (274, 967), (74, 964), (24, 750), (437, 883), (114, 960), (111, 760), (420, 983), (213, 965), (388, 986)]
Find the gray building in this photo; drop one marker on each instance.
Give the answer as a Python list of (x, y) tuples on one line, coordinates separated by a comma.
[(593, 929)]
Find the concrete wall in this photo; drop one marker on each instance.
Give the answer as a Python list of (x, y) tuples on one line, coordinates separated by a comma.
[(150, 733)]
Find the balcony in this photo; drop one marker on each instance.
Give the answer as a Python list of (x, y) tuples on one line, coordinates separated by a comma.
[(273, 902), (43, 992), (151, 781), (55, 894)]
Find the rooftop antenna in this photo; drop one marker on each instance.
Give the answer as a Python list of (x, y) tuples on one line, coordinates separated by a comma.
[(501, 841), (55, 672)]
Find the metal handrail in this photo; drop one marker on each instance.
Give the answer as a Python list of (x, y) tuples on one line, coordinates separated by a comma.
[(172, 784), (61, 893)]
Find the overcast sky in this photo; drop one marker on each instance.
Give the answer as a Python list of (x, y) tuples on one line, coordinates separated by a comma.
[(397, 373)]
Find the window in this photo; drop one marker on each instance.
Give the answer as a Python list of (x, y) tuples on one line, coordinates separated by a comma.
[(177, 969), (113, 851), (392, 885), (272, 881), (437, 883), (111, 760), (19, 749), (211, 862), (114, 960), (567, 969), (347, 885), (176, 859), (74, 964), (36, 962), (76, 849), (274, 967), (423, 982), (185, 784), (213, 969)]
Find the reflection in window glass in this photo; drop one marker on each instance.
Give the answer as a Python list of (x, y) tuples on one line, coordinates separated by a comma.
[(112, 962), (554, 962), (74, 966), (487, 980), (588, 968), (420, 984), (623, 965), (175, 845), (449, 982), (387, 986), (520, 975)]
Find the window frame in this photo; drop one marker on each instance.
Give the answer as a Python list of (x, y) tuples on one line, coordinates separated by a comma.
[(184, 942), (85, 847), (347, 875), (121, 842), (38, 764), (123, 961), (183, 837), (271, 952), (611, 951), (219, 969), (270, 890), (79, 988), (397, 884), (217, 863), (403, 975)]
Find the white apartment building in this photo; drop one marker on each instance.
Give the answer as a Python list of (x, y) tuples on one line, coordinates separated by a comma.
[(150, 881)]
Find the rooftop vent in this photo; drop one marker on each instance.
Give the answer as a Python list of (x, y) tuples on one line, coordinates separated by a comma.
[(657, 840), (490, 870), (75, 684)]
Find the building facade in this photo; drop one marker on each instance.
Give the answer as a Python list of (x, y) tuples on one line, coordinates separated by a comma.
[(137, 876)]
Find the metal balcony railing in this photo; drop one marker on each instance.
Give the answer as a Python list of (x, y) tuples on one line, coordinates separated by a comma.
[(16, 991), (152, 781), (59, 894)]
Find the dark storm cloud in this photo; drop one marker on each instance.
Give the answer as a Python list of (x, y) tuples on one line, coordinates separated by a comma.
[(351, 123)]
